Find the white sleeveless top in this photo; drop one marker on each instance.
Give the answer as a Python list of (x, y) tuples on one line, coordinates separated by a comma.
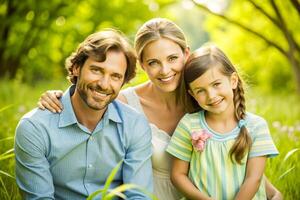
[(161, 160)]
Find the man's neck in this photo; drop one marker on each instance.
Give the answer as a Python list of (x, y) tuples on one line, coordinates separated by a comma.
[(84, 114)]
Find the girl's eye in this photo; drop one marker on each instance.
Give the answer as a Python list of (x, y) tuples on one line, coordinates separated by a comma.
[(216, 84), (200, 91)]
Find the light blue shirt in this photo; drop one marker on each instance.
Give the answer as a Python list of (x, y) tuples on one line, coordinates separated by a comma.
[(57, 157)]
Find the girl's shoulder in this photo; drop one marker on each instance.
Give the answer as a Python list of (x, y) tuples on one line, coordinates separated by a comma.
[(256, 124), (253, 119)]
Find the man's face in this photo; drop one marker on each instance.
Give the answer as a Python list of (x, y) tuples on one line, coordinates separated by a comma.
[(99, 83)]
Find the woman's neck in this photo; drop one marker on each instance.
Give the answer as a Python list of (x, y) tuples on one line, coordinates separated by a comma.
[(169, 99)]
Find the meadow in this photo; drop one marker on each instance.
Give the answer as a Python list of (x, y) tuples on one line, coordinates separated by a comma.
[(281, 110)]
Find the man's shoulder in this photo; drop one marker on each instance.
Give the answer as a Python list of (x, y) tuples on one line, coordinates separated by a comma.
[(126, 110), (38, 117)]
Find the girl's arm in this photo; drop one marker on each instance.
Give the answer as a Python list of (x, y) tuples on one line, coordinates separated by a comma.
[(272, 192), (254, 174), (179, 177)]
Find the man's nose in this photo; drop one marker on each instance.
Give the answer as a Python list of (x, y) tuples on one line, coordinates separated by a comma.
[(104, 82)]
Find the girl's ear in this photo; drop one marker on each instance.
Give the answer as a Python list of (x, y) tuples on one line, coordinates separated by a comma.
[(234, 79)]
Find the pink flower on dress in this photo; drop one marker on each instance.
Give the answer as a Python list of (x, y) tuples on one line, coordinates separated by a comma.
[(199, 138)]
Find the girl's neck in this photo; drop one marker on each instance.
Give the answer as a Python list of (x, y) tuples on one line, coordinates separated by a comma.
[(221, 123)]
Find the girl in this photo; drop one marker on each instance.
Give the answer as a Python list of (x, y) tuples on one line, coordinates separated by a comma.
[(162, 51), (219, 149)]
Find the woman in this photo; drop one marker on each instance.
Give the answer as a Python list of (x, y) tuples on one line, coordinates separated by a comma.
[(162, 51)]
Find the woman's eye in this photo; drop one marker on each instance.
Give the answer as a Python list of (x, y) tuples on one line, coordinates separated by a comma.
[(173, 58), (152, 63)]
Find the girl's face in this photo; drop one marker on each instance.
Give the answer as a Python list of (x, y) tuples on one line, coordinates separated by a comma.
[(163, 61), (214, 91)]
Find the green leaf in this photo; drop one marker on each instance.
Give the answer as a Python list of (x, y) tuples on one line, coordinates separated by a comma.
[(291, 152)]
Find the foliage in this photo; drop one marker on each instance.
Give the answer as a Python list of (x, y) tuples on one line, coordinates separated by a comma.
[(263, 37), (37, 36)]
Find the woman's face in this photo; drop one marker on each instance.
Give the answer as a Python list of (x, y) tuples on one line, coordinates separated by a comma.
[(163, 61)]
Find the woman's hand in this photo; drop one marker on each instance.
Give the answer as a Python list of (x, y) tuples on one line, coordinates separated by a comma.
[(50, 100)]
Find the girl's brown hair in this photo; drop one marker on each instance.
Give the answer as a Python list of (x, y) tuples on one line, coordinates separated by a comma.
[(197, 64)]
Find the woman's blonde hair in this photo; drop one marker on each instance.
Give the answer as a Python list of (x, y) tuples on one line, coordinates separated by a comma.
[(155, 29)]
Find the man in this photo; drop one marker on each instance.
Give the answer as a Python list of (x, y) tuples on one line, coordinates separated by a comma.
[(70, 155)]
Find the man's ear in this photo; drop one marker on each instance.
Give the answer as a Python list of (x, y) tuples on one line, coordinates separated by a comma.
[(234, 79), (76, 70)]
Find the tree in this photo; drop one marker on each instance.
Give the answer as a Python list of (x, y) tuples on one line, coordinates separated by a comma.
[(37, 36), (282, 17)]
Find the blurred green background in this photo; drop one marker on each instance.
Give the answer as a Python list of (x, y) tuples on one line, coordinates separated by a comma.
[(261, 37)]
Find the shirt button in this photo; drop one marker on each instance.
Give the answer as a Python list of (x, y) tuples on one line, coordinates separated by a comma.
[(90, 166)]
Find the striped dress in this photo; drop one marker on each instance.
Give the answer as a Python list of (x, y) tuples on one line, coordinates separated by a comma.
[(212, 171)]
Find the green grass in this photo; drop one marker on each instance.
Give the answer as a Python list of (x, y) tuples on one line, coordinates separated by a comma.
[(282, 111)]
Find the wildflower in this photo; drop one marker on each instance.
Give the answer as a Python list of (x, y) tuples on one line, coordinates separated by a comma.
[(199, 139)]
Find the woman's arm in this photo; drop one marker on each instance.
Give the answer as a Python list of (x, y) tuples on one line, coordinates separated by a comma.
[(254, 174), (50, 100), (179, 177)]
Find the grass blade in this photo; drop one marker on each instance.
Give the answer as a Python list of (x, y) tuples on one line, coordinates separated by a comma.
[(8, 138), (111, 178), (6, 107), (6, 174), (6, 156), (286, 172), (291, 152)]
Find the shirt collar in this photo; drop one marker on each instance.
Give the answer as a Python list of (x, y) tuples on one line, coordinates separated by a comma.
[(68, 117)]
